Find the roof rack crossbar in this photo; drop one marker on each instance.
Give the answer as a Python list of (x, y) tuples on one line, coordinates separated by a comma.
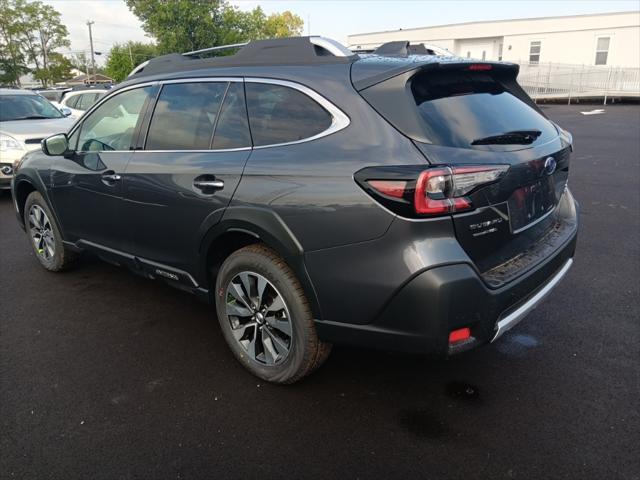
[(215, 49)]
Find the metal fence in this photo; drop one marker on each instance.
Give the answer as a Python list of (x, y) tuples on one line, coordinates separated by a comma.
[(551, 81)]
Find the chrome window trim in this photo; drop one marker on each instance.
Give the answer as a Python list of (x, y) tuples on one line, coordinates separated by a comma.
[(339, 120), (240, 149)]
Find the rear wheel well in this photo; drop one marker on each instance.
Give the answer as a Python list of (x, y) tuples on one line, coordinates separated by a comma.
[(225, 245), (23, 189)]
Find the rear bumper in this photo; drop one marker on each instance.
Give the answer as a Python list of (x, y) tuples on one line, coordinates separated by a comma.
[(420, 316)]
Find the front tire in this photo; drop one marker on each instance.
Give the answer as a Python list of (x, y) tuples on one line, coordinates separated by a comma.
[(265, 316), (45, 236)]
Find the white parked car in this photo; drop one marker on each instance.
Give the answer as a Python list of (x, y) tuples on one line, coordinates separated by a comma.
[(25, 119), (79, 101)]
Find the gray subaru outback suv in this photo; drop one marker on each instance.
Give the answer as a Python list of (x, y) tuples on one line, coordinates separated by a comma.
[(393, 200)]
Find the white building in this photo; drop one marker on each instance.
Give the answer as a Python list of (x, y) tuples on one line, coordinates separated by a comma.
[(611, 39)]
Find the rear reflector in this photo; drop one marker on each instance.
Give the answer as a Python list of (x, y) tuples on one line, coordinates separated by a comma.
[(391, 188), (460, 335)]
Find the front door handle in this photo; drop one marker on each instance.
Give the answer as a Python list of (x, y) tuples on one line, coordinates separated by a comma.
[(208, 184), (110, 177)]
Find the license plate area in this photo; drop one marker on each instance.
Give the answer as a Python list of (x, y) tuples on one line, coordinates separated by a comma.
[(531, 203)]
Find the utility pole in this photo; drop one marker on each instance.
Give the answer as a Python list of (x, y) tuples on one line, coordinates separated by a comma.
[(93, 59), (130, 55)]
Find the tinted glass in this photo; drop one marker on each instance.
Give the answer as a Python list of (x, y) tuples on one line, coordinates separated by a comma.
[(72, 102), (279, 114), (460, 107), (232, 130), (26, 107), (112, 125), (87, 100), (185, 115)]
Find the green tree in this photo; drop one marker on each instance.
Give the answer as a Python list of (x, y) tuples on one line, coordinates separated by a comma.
[(12, 57), (30, 32), (125, 57), (42, 33), (185, 25), (58, 69)]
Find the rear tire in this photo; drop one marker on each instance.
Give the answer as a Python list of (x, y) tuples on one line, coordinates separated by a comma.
[(44, 235), (265, 316)]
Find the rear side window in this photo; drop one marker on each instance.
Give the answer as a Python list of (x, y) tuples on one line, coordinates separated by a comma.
[(86, 100), (232, 130), (460, 108), (71, 103), (185, 116), (279, 114)]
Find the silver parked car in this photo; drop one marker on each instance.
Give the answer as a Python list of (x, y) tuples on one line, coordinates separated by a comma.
[(25, 119)]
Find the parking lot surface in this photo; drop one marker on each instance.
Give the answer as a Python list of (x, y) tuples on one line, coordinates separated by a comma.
[(106, 375)]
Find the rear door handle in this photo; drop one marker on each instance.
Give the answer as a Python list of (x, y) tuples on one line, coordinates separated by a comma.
[(208, 183), (110, 177)]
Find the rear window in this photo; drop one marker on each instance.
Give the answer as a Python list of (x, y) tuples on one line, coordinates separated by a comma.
[(280, 114), (462, 108)]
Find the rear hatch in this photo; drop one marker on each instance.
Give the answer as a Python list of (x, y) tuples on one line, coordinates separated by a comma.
[(505, 159)]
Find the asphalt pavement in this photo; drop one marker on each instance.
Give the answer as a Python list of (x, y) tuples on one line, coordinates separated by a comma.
[(106, 375)]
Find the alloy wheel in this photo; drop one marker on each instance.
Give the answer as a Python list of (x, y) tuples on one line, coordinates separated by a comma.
[(259, 318), (41, 232)]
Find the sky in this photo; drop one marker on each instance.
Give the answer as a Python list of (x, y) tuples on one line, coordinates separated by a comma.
[(336, 19)]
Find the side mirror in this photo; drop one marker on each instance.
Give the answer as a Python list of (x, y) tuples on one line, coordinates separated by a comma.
[(55, 144), (66, 111)]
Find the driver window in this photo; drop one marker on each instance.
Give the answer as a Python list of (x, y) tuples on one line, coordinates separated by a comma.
[(112, 124)]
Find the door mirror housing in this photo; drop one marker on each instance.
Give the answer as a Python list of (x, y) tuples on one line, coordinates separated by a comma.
[(55, 144), (66, 111)]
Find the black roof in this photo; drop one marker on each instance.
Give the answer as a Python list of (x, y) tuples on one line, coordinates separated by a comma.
[(280, 51)]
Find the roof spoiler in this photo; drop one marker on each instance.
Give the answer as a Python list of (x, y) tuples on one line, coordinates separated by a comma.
[(441, 64)]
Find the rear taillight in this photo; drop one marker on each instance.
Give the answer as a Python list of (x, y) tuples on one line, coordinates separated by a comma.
[(444, 190), (415, 191)]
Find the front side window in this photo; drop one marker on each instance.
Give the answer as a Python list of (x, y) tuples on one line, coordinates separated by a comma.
[(534, 52), (602, 50), (111, 126), (26, 107), (185, 116), (279, 114)]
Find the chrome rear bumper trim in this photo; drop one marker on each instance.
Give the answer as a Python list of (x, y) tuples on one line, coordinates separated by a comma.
[(511, 320)]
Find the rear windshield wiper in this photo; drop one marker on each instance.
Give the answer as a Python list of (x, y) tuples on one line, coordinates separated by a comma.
[(517, 137)]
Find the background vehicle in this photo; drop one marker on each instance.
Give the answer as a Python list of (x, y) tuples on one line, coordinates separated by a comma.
[(54, 95), (418, 203), (79, 101), (26, 119)]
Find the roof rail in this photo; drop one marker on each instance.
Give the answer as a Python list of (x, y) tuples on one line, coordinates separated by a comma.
[(215, 49), (330, 45), (277, 51)]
